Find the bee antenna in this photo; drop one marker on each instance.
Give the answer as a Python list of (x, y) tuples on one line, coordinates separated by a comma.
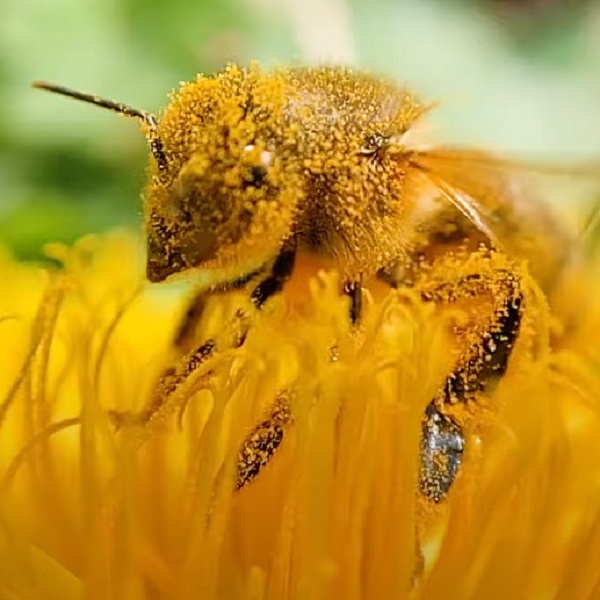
[(97, 100), (147, 118)]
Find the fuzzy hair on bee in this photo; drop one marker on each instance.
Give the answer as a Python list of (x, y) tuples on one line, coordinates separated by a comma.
[(251, 166), (256, 161), (250, 161)]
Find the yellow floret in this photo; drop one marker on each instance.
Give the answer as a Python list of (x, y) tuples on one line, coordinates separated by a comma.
[(88, 510)]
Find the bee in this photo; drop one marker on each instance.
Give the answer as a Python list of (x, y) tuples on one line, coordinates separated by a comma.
[(251, 167)]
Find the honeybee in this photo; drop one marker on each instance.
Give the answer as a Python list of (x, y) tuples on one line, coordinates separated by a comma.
[(250, 167)]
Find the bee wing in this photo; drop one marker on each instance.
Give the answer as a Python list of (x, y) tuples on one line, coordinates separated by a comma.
[(489, 190), (500, 198)]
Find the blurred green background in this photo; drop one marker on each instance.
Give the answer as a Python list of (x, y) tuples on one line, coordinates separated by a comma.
[(519, 76)]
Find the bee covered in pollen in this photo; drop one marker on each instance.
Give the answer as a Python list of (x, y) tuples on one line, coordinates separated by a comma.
[(250, 167)]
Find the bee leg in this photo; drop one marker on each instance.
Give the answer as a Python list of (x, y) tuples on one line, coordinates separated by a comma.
[(168, 382), (353, 289), (262, 442), (442, 441), (442, 445), (173, 377), (183, 339), (489, 359), (260, 445), (190, 356)]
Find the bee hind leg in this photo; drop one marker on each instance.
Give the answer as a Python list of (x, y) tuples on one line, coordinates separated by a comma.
[(491, 334), (441, 453), (477, 370)]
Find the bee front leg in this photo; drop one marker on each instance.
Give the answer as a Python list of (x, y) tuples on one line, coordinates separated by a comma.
[(184, 338), (189, 355), (193, 356)]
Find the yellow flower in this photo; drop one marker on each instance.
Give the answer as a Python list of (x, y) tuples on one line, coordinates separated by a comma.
[(150, 510)]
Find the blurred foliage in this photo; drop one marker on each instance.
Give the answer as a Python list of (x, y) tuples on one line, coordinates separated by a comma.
[(546, 29), (521, 76)]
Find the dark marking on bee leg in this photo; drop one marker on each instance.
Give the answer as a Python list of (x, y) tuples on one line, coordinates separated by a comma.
[(282, 269), (489, 359), (260, 445), (442, 444), (175, 376), (167, 384), (353, 289)]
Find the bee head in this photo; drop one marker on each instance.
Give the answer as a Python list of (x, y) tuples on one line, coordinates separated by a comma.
[(223, 184), (223, 195)]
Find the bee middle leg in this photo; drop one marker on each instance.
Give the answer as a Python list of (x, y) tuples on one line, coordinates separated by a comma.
[(263, 441)]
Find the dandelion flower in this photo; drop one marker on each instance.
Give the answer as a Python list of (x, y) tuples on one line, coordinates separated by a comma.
[(151, 510)]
